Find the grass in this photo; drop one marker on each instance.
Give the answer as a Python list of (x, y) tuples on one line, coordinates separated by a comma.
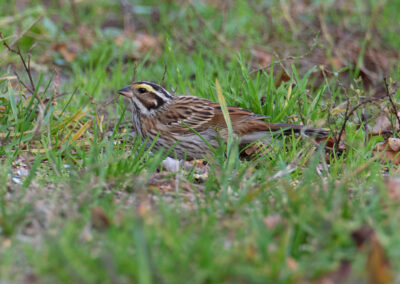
[(76, 200)]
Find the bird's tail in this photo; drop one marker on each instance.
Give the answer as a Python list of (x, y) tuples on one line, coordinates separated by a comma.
[(288, 129)]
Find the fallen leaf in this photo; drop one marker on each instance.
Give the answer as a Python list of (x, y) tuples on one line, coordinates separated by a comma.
[(99, 219), (31, 278), (393, 188), (68, 52), (382, 124), (362, 235), (292, 264), (6, 243), (261, 57), (199, 164), (394, 144), (256, 149), (143, 43), (165, 182), (336, 63), (330, 143), (146, 43), (272, 221), (143, 208), (378, 266), (386, 154), (283, 77), (338, 276), (119, 40)]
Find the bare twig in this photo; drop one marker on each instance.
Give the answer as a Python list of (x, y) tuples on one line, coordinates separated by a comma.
[(281, 61), (389, 93), (27, 66), (19, 36), (22, 83), (165, 73), (36, 131), (348, 112), (347, 115), (56, 84)]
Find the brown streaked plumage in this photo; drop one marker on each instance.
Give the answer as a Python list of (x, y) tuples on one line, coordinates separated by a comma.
[(155, 110)]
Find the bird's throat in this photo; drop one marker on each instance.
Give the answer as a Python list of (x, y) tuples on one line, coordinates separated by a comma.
[(136, 120)]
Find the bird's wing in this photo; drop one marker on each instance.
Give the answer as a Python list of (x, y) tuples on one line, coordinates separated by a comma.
[(201, 114), (186, 112)]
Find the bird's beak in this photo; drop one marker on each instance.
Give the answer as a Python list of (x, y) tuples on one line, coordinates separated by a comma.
[(125, 92)]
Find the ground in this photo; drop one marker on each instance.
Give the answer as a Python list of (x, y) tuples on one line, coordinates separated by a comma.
[(84, 200)]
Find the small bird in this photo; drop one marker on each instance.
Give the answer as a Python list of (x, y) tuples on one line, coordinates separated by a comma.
[(185, 121)]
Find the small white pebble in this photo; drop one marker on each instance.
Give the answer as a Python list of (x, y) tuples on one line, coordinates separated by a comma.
[(17, 180)]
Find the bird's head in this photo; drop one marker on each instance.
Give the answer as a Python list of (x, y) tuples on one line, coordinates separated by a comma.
[(146, 97)]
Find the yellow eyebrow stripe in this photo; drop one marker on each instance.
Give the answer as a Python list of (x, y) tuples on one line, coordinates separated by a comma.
[(147, 87)]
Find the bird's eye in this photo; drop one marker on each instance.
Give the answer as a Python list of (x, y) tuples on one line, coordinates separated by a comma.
[(142, 90)]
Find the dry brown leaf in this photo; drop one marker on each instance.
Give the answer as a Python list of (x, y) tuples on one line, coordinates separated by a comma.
[(382, 124), (272, 221), (338, 276), (6, 243), (143, 208), (283, 77), (143, 42), (386, 154), (99, 219), (166, 182), (261, 57), (199, 164), (146, 43), (68, 52), (394, 144), (393, 188), (31, 278), (330, 144), (362, 235), (119, 40), (378, 265), (336, 63), (255, 150), (292, 264)]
